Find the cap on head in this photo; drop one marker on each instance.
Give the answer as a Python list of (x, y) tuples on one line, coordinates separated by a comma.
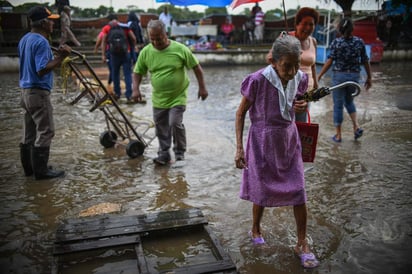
[(39, 13)]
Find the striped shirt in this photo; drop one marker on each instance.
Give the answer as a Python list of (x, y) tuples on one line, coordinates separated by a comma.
[(259, 18)]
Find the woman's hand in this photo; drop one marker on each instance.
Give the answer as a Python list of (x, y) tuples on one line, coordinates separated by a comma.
[(240, 159), (300, 106)]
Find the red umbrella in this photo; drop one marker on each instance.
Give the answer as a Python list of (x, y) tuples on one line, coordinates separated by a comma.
[(236, 3)]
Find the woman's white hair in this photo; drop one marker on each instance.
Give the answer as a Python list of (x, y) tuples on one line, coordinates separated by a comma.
[(285, 45)]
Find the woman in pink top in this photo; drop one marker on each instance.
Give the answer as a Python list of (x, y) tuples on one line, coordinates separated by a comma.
[(305, 23), (227, 29)]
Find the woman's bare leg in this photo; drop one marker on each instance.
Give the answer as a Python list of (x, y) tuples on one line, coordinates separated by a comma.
[(257, 217)]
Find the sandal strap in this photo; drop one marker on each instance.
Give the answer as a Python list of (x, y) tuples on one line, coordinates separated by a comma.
[(308, 260)]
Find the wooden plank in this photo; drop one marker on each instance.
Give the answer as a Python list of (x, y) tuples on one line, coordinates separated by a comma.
[(96, 222), (127, 230), (118, 226), (124, 269), (216, 243), (148, 217), (212, 267), (60, 249), (141, 260)]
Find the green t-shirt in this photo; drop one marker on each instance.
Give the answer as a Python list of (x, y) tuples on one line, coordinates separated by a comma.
[(168, 74)]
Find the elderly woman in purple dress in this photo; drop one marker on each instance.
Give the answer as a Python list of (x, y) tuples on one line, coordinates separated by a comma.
[(273, 172)]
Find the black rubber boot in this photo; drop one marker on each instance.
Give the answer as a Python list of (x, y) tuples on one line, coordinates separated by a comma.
[(40, 157), (25, 157)]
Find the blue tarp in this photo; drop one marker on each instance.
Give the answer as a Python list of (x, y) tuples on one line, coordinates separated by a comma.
[(392, 10), (210, 3)]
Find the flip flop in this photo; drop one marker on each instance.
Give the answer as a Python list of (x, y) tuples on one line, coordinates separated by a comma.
[(336, 140), (256, 240), (358, 133), (308, 260)]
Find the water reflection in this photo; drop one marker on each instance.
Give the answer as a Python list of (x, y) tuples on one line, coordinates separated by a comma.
[(172, 191), (359, 192)]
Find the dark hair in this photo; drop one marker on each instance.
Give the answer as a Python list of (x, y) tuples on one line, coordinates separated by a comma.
[(305, 11), (111, 17), (345, 27), (132, 17)]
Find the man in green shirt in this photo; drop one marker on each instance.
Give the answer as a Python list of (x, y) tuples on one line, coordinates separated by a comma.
[(167, 61)]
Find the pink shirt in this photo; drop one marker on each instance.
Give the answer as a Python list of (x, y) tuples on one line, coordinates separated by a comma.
[(307, 60), (227, 28)]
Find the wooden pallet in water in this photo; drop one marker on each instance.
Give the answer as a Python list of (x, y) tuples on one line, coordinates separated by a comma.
[(165, 242)]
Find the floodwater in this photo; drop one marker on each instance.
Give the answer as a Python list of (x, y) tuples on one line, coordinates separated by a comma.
[(359, 193)]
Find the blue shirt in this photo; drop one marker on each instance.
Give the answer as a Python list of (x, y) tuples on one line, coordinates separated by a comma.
[(348, 54), (34, 55)]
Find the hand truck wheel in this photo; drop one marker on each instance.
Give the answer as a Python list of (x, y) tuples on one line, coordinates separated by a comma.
[(135, 148), (108, 139)]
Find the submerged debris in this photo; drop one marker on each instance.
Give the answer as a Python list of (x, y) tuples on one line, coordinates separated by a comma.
[(100, 209)]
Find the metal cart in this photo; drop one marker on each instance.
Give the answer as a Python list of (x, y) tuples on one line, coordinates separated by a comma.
[(90, 87)]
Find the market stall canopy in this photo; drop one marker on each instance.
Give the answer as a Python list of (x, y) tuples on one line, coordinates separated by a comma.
[(210, 3)]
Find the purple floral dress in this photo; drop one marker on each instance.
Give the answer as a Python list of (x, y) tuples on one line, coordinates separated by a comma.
[(275, 173)]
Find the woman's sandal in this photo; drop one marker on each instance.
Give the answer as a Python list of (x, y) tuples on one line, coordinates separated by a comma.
[(256, 240), (308, 260)]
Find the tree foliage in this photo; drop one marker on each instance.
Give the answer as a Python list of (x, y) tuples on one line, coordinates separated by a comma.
[(210, 11), (184, 13), (26, 6), (101, 11)]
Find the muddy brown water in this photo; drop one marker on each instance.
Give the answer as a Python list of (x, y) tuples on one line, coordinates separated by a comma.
[(359, 193)]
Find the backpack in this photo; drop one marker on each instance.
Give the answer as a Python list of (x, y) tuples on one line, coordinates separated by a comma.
[(117, 40)]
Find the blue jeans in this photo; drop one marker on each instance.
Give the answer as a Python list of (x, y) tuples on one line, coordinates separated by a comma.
[(342, 97), (125, 62), (133, 55)]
